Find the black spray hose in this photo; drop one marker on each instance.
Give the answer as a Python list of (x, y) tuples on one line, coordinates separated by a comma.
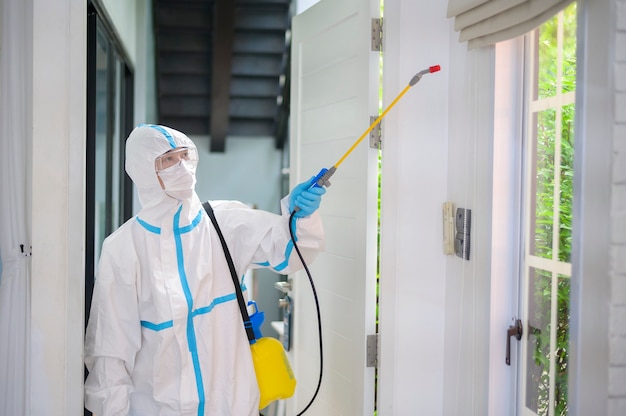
[(317, 307)]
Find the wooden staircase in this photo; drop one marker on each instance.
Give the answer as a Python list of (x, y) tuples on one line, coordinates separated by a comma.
[(223, 67)]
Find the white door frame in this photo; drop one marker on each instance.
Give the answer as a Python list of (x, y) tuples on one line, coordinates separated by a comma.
[(507, 226)]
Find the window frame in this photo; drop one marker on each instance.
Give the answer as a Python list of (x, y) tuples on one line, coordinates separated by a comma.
[(119, 123), (534, 105)]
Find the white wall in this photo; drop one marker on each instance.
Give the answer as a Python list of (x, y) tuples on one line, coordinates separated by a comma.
[(302, 5), (617, 323), (58, 205), (123, 15), (414, 172), (248, 171), (469, 179), (590, 291)]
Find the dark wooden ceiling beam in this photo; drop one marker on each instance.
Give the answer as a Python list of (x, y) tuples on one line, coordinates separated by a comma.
[(223, 40)]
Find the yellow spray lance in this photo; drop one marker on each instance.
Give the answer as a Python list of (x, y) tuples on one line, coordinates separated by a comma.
[(274, 375)]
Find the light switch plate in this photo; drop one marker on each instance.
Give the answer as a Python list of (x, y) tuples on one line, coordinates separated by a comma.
[(448, 228)]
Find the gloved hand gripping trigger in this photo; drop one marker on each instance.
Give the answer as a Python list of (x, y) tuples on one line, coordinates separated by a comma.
[(322, 178)]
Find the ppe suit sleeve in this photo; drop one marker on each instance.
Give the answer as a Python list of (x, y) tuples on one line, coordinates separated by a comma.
[(261, 239), (108, 387), (113, 334), (309, 234)]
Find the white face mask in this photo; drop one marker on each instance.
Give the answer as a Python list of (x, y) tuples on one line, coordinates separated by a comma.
[(179, 180)]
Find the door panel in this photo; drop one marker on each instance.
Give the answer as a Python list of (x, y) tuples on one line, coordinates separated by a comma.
[(332, 99)]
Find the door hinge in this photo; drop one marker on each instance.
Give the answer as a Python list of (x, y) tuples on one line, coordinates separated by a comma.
[(376, 135), (372, 351), (377, 34)]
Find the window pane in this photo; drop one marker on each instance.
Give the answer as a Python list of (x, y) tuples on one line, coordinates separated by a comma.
[(102, 87), (110, 125), (562, 346), (547, 58), (569, 49), (544, 184), (116, 164), (538, 352), (566, 185)]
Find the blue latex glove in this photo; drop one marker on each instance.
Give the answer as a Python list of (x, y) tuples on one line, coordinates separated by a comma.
[(305, 198)]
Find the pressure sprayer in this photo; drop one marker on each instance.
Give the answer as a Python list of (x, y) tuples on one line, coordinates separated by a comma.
[(282, 387)]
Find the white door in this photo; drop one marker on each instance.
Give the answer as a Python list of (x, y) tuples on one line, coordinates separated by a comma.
[(334, 93)]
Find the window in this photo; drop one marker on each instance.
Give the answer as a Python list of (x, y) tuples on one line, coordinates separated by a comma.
[(109, 121), (548, 192)]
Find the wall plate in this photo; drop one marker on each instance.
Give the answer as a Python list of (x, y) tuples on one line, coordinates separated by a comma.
[(448, 228)]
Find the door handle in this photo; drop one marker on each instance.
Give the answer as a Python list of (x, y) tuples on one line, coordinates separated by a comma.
[(514, 331)]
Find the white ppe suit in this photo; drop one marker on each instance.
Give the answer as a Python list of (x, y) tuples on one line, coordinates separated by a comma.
[(165, 333)]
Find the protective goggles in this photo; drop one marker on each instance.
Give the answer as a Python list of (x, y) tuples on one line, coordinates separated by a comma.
[(172, 157)]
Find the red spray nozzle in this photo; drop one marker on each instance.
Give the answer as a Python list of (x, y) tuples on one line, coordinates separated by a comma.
[(418, 76)]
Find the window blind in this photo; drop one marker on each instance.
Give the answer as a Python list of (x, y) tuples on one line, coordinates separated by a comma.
[(485, 22)]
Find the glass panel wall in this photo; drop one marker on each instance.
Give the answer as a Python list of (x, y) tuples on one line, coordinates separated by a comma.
[(109, 121)]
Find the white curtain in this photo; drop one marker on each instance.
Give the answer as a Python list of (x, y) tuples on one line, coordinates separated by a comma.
[(14, 210), (485, 22)]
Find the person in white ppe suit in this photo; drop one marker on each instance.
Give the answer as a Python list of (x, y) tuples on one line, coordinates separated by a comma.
[(165, 333)]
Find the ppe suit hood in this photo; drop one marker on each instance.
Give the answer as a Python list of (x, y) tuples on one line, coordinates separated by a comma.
[(144, 144)]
